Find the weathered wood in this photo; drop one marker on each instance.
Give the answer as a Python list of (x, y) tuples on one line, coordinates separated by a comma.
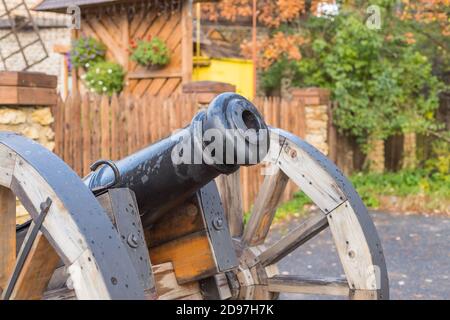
[(190, 255), (8, 161), (95, 130), (154, 74), (304, 285), (76, 141), (264, 208), (86, 134), (37, 271), (365, 295), (352, 247), (105, 128), (208, 87), (115, 128), (7, 235), (186, 44), (311, 177), (60, 294), (184, 220), (302, 233), (167, 286), (27, 96), (27, 79), (230, 192)]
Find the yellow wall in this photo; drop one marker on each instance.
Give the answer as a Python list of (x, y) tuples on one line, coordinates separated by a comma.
[(238, 72)]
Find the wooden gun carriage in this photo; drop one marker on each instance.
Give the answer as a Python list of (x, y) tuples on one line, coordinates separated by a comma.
[(148, 227)]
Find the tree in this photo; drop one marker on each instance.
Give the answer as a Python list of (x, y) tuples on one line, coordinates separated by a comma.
[(382, 84), (384, 80)]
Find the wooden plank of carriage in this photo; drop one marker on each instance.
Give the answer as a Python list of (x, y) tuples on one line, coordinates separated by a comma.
[(191, 257), (181, 238), (167, 287)]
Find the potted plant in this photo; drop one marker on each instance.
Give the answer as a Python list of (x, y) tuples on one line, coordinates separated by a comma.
[(105, 78), (152, 53), (87, 51)]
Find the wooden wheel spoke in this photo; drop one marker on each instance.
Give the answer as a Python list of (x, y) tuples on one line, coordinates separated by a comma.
[(264, 208), (230, 192), (305, 231), (306, 285)]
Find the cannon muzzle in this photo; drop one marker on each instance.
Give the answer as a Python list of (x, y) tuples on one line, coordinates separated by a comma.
[(229, 133)]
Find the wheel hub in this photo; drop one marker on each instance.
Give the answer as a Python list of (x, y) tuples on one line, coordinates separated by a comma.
[(249, 280)]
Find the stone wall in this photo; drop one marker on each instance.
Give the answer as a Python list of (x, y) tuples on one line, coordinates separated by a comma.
[(32, 121), (316, 102)]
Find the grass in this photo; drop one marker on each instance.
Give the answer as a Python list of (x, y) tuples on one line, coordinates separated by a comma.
[(290, 209), (432, 190), (371, 186)]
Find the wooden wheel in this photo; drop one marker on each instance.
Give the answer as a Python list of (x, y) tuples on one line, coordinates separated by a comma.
[(341, 209), (75, 229)]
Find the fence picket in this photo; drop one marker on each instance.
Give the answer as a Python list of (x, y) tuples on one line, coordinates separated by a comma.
[(105, 128), (115, 128), (86, 135)]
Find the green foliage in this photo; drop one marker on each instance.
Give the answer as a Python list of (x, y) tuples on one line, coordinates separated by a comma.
[(403, 183), (86, 51), (105, 77), (433, 182), (383, 84), (382, 87), (151, 53), (271, 79), (295, 207), (438, 167)]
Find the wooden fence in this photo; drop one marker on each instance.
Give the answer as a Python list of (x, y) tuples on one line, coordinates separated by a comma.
[(91, 127)]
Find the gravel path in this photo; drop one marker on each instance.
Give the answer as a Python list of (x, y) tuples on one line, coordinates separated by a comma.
[(416, 248)]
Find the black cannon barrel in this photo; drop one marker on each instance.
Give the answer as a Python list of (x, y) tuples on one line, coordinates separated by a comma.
[(165, 174)]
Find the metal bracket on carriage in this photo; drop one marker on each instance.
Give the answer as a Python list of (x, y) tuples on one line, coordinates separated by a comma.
[(25, 249), (121, 206)]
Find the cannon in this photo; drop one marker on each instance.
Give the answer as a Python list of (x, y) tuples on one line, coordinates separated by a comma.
[(155, 226)]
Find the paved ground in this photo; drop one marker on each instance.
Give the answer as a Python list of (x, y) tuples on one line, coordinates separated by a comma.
[(416, 247)]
